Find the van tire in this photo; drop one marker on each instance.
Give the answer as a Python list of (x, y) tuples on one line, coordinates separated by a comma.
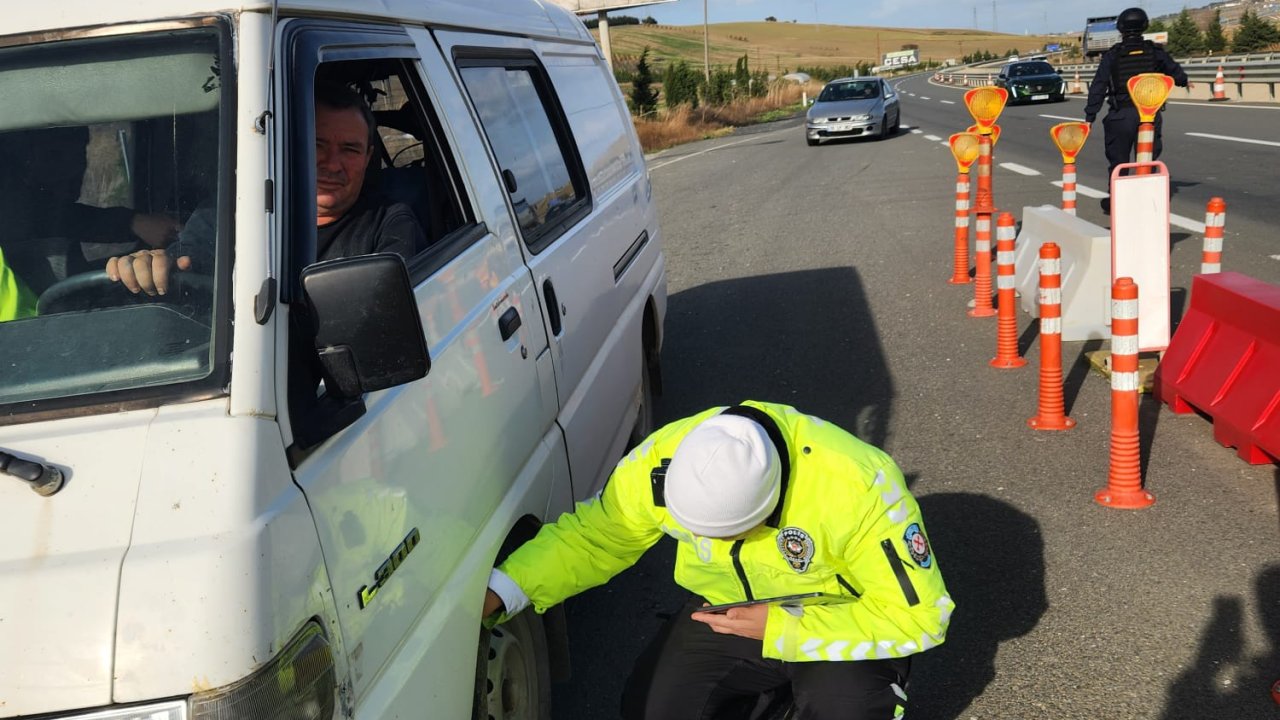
[(644, 426), (513, 676)]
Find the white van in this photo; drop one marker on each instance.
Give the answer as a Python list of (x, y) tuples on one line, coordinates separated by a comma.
[(192, 524)]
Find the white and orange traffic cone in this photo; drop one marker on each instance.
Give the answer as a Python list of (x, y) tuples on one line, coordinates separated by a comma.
[(1007, 357), (1076, 88), (1219, 87), (1069, 188), (960, 268), (1051, 413), (1215, 220), (1124, 475)]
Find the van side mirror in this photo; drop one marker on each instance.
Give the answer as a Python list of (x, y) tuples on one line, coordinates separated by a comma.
[(368, 334)]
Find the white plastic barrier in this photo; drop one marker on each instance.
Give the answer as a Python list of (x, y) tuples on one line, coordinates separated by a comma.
[(1140, 242), (1086, 270)]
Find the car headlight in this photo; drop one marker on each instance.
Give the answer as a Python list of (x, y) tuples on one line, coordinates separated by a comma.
[(861, 118), (299, 683)]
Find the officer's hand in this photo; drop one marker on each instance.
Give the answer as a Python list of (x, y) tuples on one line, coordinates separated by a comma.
[(747, 622), (145, 271), (1090, 118), (492, 603)]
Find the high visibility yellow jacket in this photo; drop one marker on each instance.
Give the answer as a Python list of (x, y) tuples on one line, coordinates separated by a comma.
[(845, 524), (16, 301)]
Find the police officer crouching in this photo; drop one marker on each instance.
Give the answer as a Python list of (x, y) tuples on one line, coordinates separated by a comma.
[(1131, 56), (763, 501)]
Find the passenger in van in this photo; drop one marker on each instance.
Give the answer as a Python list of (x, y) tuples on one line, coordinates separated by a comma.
[(764, 501), (348, 220)]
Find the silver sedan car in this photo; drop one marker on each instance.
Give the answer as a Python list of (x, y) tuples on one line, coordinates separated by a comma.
[(853, 107)]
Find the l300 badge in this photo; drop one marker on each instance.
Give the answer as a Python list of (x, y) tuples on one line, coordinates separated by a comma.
[(406, 546)]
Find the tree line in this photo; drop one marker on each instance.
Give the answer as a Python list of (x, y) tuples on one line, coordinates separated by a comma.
[(1187, 39), (684, 84)]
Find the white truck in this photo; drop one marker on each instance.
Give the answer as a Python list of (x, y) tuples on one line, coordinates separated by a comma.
[(277, 490)]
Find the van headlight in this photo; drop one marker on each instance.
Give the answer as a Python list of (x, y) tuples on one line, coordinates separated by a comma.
[(173, 710), (299, 683)]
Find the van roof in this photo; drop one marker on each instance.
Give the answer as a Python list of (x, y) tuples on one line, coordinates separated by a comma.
[(519, 17)]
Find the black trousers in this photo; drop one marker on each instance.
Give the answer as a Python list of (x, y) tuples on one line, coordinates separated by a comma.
[(1120, 128), (690, 672)]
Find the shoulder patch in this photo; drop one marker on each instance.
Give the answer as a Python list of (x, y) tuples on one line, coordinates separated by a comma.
[(917, 545), (796, 547)]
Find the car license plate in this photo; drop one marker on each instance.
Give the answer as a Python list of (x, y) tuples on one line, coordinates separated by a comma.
[(1039, 97), (842, 127)]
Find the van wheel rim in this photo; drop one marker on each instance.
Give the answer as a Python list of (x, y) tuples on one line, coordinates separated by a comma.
[(510, 680)]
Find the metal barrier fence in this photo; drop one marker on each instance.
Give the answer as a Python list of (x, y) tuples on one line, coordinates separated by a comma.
[(1251, 78)]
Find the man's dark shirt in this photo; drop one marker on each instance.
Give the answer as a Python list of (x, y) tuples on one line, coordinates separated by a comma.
[(371, 228), (1100, 88)]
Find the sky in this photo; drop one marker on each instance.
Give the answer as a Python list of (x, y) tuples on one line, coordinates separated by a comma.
[(1011, 16)]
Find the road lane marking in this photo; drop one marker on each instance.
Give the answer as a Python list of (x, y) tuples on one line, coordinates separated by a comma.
[(934, 138), (1219, 105), (1084, 190), (1060, 117), (912, 94), (916, 131), (1020, 169), (922, 97), (1275, 257), (947, 102), (1234, 139), (704, 152), (1186, 223)]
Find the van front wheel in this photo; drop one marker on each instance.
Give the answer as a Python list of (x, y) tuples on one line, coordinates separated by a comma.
[(513, 677), (644, 396)]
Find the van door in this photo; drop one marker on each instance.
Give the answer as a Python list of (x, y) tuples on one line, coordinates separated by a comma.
[(401, 494), (561, 139)]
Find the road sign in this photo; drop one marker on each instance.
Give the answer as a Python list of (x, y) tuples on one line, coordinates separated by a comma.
[(584, 7), (901, 58), (1054, 47)]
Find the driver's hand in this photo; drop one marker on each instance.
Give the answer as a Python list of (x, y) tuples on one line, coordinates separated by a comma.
[(145, 271), (155, 230)]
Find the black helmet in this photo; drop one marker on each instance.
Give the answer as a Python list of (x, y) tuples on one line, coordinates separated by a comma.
[(1132, 22)]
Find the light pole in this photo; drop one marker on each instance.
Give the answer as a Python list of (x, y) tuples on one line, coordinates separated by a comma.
[(706, 44)]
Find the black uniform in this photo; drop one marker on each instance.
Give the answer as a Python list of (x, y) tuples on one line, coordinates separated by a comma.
[(1131, 56)]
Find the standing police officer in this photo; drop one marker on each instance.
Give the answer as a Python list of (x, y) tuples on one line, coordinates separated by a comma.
[(1131, 56)]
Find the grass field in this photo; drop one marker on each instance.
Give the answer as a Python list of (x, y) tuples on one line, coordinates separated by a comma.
[(779, 47)]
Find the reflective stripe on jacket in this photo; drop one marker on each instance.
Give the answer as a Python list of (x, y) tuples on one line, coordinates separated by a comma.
[(845, 525), (16, 301)]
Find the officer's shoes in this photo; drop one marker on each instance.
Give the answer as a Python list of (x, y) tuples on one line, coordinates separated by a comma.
[(1106, 205)]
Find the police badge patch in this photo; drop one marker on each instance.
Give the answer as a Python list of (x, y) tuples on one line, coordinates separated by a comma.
[(796, 547), (918, 545)]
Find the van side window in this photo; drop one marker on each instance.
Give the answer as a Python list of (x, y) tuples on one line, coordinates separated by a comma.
[(532, 144)]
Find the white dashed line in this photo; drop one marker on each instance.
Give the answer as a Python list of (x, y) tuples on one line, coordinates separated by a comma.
[(1186, 223), (1084, 190), (1060, 117), (1234, 139), (922, 97), (1020, 169), (934, 138), (912, 94), (1275, 257), (916, 131), (947, 102)]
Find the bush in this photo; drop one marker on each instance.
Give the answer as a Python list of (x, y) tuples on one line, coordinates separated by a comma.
[(643, 98), (680, 83)]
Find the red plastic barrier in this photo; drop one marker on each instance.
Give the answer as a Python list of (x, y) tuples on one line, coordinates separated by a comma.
[(1224, 360)]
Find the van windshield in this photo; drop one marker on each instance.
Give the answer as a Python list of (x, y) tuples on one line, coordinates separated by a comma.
[(109, 148)]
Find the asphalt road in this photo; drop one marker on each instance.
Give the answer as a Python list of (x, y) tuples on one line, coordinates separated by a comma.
[(817, 277)]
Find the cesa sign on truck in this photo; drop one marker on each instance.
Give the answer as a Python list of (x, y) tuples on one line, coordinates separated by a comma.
[(901, 58)]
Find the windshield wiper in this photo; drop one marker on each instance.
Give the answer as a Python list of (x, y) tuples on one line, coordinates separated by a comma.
[(43, 479)]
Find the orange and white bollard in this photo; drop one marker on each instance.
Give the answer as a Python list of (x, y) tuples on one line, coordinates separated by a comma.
[(960, 269), (1219, 87), (1124, 476), (1007, 357), (1069, 188), (1076, 89), (982, 235), (1146, 146), (1215, 220), (1051, 413)]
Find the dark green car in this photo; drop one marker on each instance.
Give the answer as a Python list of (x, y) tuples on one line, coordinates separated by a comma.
[(1032, 81)]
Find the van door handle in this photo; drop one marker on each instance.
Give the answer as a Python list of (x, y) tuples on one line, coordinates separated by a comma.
[(553, 306), (509, 323)]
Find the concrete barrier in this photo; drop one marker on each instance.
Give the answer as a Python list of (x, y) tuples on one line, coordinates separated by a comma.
[(1086, 270)]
